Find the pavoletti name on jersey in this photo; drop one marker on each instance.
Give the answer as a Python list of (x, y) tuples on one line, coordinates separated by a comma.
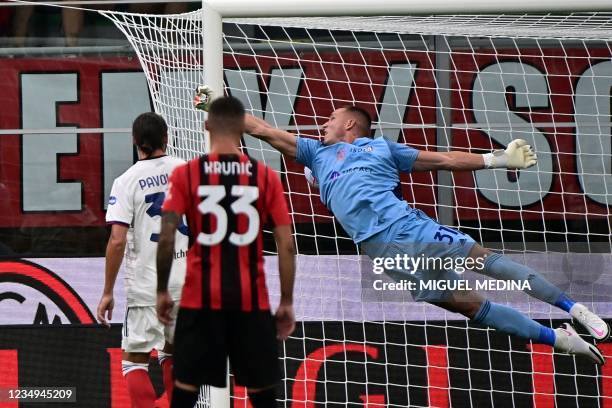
[(227, 168), (153, 181)]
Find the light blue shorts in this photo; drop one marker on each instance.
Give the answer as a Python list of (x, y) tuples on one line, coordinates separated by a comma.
[(418, 236)]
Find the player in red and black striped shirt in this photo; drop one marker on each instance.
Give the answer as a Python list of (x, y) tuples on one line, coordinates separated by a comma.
[(224, 310)]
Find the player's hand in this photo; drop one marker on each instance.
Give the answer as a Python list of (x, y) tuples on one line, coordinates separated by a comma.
[(104, 313), (285, 321), (518, 155), (164, 307), (203, 97)]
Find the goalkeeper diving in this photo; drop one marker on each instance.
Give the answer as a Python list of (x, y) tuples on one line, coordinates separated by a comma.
[(358, 179)]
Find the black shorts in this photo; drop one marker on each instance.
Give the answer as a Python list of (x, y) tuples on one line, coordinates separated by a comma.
[(204, 339)]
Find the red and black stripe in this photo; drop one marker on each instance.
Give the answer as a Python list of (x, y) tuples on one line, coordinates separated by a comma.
[(205, 226), (249, 255), (262, 180), (230, 272)]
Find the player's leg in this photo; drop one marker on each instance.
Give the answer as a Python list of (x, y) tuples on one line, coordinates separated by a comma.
[(422, 235), (502, 318), (444, 242), (165, 356), (498, 266), (135, 368), (253, 353), (510, 321), (200, 354), (141, 334), (184, 395)]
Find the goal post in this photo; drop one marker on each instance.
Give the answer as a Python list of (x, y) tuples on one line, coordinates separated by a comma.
[(215, 10), (323, 8), (469, 82), (213, 49)]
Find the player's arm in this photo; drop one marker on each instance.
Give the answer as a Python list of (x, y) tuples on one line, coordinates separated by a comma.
[(427, 161), (283, 141), (165, 255), (165, 248), (518, 155), (285, 315), (279, 214), (286, 261), (173, 208), (115, 249)]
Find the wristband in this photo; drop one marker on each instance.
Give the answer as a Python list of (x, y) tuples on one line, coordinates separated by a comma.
[(496, 159)]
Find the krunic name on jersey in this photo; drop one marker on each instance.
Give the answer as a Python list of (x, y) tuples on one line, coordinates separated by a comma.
[(227, 168), (153, 181)]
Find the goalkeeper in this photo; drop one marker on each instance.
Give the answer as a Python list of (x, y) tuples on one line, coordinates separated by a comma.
[(359, 182)]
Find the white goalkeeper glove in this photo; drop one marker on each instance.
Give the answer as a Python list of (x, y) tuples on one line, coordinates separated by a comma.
[(203, 97), (518, 155)]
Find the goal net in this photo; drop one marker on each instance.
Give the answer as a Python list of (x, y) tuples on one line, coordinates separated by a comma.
[(461, 82)]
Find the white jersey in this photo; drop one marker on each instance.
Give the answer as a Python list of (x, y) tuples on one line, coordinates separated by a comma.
[(136, 201)]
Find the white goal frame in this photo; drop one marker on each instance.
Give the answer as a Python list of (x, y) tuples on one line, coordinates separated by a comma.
[(216, 10)]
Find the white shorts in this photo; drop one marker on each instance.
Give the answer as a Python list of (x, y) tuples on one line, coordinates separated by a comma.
[(142, 331)]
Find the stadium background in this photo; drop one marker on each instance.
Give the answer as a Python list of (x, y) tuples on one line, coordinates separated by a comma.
[(52, 233)]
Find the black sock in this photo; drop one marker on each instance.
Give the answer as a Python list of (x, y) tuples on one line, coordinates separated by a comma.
[(183, 399), (263, 399)]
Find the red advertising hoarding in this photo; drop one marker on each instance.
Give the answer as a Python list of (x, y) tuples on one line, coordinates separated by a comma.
[(538, 90)]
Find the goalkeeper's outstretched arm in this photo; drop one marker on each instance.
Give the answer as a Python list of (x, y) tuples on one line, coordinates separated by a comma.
[(281, 140), (518, 155)]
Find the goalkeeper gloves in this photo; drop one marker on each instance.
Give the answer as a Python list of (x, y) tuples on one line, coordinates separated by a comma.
[(203, 98), (518, 155)]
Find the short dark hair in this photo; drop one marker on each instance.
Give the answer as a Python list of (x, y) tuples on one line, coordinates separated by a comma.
[(150, 132), (364, 117), (226, 114)]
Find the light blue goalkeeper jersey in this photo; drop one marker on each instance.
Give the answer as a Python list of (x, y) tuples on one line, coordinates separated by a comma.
[(359, 183)]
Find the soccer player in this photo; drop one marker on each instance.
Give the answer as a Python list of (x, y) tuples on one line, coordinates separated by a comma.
[(224, 311), (358, 180), (134, 211)]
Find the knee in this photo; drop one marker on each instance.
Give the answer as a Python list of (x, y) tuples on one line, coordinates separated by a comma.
[(491, 267), (168, 348), (139, 358), (186, 387), (471, 309), (478, 251), (478, 258)]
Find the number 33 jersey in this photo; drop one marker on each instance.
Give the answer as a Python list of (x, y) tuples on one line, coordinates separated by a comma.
[(136, 201), (228, 199)]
